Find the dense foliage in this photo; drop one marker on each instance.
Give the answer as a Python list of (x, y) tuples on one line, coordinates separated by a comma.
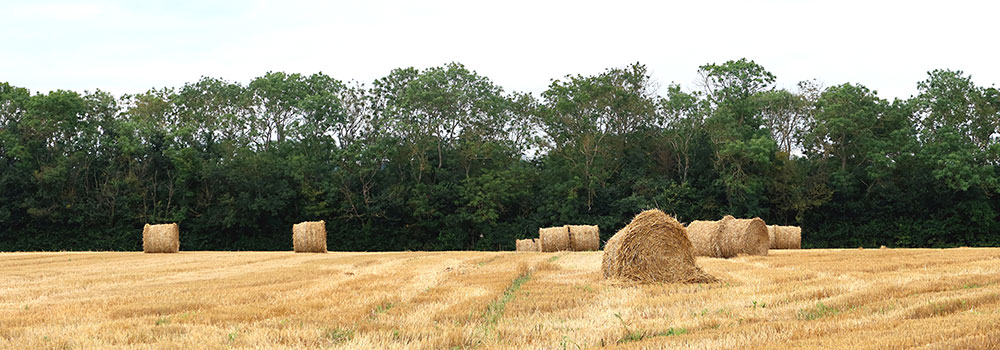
[(443, 158)]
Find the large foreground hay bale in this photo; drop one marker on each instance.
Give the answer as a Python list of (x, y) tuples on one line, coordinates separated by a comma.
[(654, 247), (309, 237), (584, 237), (553, 239), (164, 238), (729, 237), (785, 237), (526, 245)]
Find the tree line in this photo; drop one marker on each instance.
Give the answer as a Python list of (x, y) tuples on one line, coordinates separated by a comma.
[(445, 159)]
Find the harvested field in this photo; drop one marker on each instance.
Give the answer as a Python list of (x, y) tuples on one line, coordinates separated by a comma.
[(820, 299)]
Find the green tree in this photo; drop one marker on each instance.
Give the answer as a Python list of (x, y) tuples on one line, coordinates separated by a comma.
[(587, 122), (743, 149), (959, 126)]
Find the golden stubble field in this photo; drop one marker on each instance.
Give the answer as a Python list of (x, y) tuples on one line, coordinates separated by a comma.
[(823, 299)]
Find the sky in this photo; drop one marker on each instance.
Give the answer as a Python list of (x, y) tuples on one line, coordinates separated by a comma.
[(132, 46)]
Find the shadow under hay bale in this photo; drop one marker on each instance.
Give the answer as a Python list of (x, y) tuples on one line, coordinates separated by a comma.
[(785, 237), (526, 245), (161, 238), (553, 239), (584, 237), (309, 237), (729, 237), (654, 247)]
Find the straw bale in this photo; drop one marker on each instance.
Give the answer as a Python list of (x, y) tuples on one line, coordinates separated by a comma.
[(309, 237), (793, 238), (704, 236), (609, 264), (743, 236), (652, 248), (553, 239), (785, 237), (584, 237), (729, 237), (527, 245), (161, 238)]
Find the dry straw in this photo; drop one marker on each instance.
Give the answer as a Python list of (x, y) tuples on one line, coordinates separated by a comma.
[(792, 237), (584, 237), (744, 236), (161, 238), (553, 239), (652, 248), (527, 245), (704, 236), (785, 237), (609, 262), (729, 237), (309, 237)]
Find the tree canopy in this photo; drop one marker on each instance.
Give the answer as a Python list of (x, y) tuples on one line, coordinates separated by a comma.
[(444, 158)]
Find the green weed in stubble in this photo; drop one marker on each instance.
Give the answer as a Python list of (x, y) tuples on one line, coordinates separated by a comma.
[(631, 336), (339, 335), (566, 342), (381, 309), (817, 312)]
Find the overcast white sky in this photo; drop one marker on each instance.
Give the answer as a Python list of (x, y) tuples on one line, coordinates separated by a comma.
[(131, 46)]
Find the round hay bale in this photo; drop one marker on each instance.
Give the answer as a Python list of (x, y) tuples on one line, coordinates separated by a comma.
[(771, 233), (729, 237), (704, 237), (553, 239), (584, 237), (609, 265), (526, 245), (654, 247), (309, 237), (161, 238), (786, 237), (743, 236)]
